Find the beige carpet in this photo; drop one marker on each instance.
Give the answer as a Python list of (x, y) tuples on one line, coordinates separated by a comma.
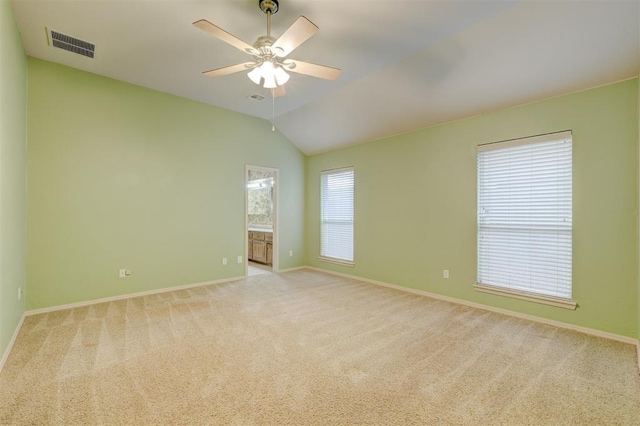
[(307, 348)]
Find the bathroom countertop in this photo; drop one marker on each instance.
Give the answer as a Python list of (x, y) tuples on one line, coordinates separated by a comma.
[(252, 229)]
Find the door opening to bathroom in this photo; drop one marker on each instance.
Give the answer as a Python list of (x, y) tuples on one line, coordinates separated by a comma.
[(261, 191)]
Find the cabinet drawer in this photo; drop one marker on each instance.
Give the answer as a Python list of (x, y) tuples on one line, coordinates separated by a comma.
[(258, 236), (268, 237)]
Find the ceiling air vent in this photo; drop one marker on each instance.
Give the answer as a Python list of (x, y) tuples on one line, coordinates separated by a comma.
[(256, 97), (71, 44)]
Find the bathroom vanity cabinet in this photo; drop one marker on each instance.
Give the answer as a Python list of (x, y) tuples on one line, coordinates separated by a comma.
[(261, 247)]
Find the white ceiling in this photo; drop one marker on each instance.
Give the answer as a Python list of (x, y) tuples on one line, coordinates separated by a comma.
[(406, 64)]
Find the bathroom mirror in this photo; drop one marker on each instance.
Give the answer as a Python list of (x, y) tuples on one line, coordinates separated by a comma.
[(260, 197)]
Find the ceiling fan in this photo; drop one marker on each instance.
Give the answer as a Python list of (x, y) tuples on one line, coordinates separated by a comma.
[(270, 64)]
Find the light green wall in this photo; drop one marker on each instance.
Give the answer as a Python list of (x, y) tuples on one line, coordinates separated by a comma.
[(13, 146), (415, 211), (125, 177)]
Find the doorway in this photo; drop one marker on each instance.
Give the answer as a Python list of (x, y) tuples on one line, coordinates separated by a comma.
[(261, 220)]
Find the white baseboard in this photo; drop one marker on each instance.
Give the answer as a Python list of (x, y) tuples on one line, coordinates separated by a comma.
[(127, 296), (586, 330), (296, 268), (142, 293), (7, 351)]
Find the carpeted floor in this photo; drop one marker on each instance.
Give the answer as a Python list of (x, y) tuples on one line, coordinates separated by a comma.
[(303, 348)]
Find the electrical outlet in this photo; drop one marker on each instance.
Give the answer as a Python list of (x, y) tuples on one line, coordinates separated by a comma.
[(239, 259), (445, 273), (224, 260), (122, 273), (290, 253), (19, 293)]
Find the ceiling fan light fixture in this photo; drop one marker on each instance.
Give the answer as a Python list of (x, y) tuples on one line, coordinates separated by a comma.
[(281, 76), (270, 82), (268, 69), (255, 75), (272, 74)]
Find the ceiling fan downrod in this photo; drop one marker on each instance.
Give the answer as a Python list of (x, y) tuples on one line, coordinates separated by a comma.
[(269, 7)]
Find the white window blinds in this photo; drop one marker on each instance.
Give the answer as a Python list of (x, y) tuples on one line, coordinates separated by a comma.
[(336, 217), (525, 215)]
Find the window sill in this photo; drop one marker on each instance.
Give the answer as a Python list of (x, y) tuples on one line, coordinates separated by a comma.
[(336, 261), (545, 300)]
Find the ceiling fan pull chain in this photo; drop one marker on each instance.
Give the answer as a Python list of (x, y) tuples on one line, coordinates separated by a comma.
[(273, 109)]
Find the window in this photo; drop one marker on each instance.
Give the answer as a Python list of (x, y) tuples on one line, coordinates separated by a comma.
[(524, 218), (336, 216)]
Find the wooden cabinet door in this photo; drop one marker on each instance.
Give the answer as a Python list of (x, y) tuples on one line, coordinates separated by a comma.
[(269, 253), (259, 251), (250, 244)]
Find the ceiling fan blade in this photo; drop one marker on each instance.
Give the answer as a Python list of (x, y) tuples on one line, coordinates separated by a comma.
[(313, 70), (219, 72), (218, 32), (279, 92), (299, 32)]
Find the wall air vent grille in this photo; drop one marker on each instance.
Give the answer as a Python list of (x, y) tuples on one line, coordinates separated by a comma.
[(71, 44), (256, 97)]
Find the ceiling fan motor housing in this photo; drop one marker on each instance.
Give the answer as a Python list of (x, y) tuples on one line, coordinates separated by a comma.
[(268, 6), (264, 43)]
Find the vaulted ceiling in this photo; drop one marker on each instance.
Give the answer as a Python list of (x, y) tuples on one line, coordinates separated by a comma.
[(406, 64)]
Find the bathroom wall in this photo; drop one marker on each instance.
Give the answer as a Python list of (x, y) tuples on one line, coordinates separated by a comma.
[(260, 200)]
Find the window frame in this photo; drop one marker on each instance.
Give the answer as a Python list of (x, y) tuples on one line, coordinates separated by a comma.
[(325, 257), (508, 290)]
